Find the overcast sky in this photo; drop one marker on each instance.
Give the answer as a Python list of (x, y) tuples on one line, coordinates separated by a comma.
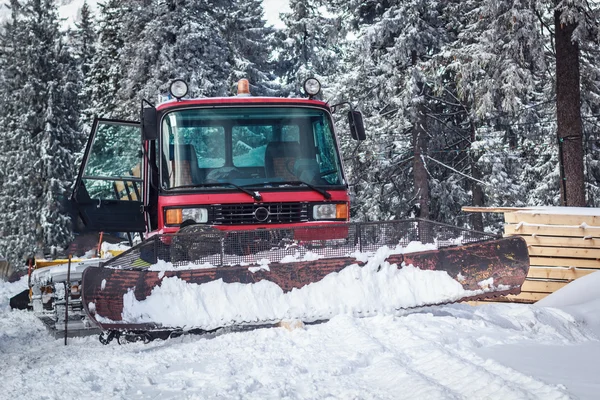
[(69, 9)]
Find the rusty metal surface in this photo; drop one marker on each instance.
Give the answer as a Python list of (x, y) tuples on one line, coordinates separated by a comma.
[(505, 260)]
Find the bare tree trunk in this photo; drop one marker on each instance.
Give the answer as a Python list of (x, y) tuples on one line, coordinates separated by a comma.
[(419, 138), (568, 114), (476, 191), (421, 179)]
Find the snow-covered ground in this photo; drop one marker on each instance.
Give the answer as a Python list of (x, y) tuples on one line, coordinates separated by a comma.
[(496, 351)]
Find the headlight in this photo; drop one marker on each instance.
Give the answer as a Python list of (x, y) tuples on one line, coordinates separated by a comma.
[(178, 88), (330, 211), (312, 86), (200, 215), (175, 216)]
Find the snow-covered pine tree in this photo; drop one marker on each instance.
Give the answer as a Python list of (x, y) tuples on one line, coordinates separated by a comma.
[(251, 44), (55, 127), (45, 135), (103, 81), (392, 75), (83, 40), (310, 45), (505, 62), (489, 85), (17, 219), (178, 40)]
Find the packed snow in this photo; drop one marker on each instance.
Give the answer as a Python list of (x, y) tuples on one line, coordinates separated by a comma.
[(381, 286), (493, 351)]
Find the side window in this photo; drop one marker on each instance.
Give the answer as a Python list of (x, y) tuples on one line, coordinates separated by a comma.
[(113, 167), (249, 144), (326, 155)]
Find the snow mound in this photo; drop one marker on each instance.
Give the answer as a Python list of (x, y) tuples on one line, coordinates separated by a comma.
[(378, 287), (580, 298)]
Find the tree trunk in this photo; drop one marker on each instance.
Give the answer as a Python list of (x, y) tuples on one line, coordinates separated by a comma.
[(419, 142), (419, 171), (476, 191), (568, 114)]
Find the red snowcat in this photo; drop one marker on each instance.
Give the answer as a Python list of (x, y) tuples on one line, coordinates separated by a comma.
[(243, 202)]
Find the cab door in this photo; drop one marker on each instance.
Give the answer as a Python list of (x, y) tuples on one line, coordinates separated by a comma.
[(108, 190)]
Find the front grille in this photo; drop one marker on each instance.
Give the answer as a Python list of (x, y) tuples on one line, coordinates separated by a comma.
[(278, 213)]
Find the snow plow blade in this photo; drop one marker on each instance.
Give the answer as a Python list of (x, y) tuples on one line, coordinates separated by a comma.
[(225, 281)]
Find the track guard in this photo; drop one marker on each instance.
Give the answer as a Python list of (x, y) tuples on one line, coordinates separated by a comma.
[(503, 261)]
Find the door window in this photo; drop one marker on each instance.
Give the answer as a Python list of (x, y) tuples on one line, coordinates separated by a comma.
[(113, 166), (108, 191)]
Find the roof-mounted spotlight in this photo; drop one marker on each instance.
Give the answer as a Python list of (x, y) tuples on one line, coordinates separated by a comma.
[(178, 89), (312, 87)]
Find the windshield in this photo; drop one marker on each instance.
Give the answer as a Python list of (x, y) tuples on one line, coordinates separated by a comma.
[(249, 146)]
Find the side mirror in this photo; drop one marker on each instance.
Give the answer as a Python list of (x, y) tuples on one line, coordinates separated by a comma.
[(149, 121), (357, 128)]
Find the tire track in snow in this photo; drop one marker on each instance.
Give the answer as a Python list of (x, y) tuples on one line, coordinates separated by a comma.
[(418, 356), (400, 377), (457, 368)]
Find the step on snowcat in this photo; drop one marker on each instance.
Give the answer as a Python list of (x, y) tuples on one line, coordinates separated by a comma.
[(245, 210)]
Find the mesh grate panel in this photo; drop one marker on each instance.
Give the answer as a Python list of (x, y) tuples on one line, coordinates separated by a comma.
[(204, 245)]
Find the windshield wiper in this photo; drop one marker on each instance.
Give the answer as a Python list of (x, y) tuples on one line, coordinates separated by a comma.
[(255, 195), (323, 192)]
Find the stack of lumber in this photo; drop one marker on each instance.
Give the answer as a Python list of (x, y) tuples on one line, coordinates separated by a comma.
[(563, 242)]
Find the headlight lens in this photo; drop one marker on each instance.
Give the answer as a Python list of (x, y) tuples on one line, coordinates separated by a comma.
[(200, 215), (330, 211), (312, 86), (175, 216), (178, 88)]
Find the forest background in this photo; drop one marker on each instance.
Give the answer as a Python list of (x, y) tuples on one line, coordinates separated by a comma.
[(459, 96)]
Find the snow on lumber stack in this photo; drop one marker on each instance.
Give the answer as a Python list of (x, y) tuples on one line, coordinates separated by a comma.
[(563, 242)]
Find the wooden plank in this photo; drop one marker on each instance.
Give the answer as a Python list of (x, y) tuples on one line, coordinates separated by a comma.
[(563, 246), (122, 190), (119, 186), (558, 273), (561, 241), (551, 219), (136, 171), (552, 230), (541, 286), (564, 252), (477, 303), (563, 262), (492, 209)]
